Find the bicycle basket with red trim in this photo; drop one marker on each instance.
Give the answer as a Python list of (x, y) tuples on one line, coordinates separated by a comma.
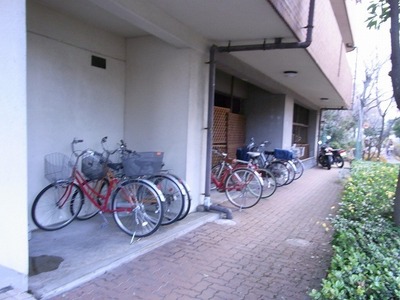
[(142, 163)]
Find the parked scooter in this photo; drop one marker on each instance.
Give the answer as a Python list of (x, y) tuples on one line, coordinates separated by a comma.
[(337, 157), (325, 156)]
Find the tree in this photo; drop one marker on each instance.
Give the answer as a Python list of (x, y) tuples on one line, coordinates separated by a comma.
[(381, 11), (396, 128)]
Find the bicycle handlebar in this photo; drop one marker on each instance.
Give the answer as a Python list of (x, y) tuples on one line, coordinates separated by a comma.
[(103, 141), (220, 153), (76, 141)]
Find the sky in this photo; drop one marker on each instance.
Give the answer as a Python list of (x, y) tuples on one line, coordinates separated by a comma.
[(370, 43)]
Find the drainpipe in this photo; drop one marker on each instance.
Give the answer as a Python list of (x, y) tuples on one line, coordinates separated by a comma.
[(208, 206), (278, 44), (211, 92)]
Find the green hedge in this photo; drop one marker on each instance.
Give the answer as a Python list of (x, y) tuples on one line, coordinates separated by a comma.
[(366, 244)]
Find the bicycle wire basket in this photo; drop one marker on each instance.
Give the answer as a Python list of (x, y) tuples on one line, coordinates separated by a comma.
[(142, 163), (94, 165), (57, 166)]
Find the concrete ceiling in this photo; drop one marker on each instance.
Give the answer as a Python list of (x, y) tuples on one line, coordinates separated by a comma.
[(190, 23)]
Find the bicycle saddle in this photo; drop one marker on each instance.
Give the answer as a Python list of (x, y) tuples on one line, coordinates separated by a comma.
[(254, 154)]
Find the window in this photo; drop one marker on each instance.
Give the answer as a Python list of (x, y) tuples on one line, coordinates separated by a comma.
[(233, 103), (300, 125)]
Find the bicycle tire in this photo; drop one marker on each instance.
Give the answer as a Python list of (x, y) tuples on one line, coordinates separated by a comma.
[(174, 195), (89, 210), (280, 172), (243, 188), (215, 170), (299, 168), (292, 171), (269, 180), (137, 207), (188, 199), (48, 214)]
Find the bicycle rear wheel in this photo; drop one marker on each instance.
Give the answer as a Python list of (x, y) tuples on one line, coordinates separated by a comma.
[(89, 210), (188, 199), (280, 172), (292, 171), (138, 208), (174, 195), (243, 188), (299, 168), (216, 171), (57, 205), (269, 186)]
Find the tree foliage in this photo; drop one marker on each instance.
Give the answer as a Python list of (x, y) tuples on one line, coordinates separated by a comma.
[(379, 13)]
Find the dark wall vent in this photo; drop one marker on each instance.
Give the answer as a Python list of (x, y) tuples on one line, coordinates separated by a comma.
[(98, 62)]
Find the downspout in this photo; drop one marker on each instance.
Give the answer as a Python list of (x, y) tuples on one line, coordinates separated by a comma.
[(278, 44), (210, 118), (211, 92)]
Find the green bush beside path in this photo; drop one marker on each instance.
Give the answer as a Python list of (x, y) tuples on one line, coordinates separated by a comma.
[(366, 244)]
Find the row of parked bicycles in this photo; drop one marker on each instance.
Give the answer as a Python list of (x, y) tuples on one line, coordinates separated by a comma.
[(139, 194), (255, 173)]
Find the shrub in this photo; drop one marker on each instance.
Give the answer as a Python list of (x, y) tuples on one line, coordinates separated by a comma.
[(366, 244)]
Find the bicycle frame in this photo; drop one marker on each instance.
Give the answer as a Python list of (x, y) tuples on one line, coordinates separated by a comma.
[(224, 171), (94, 195), (219, 180)]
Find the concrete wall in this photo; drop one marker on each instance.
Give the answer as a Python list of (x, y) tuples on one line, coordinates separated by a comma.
[(327, 47), (165, 106), (265, 117), (13, 174), (155, 98), (67, 97)]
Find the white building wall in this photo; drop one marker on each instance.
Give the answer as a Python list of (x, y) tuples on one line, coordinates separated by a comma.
[(165, 104), (13, 174), (288, 123), (67, 97)]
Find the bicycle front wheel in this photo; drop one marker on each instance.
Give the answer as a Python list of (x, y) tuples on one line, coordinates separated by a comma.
[(174, 195), (280, 172), (137, 207), (243, 188), (57, 205)]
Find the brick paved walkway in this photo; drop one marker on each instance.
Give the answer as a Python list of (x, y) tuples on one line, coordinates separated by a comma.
[(278, 249)]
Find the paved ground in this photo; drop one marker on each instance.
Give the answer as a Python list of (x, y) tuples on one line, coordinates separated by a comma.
[(278, 249)]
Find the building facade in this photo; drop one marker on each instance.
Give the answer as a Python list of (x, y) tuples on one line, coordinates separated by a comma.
[(140, 71)]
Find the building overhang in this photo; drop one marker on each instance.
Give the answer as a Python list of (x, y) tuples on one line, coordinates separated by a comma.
[(200, 24)]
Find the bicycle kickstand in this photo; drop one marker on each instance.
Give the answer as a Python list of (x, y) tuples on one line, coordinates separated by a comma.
[(105, 221), (133, 237)]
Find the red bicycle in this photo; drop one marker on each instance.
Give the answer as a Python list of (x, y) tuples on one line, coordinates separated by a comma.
[(136, 204), (243, 186)]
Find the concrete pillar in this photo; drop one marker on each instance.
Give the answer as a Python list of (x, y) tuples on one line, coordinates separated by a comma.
[(14, 263)]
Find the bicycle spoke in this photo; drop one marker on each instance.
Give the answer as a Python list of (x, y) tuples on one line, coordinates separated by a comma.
[(137, 206), (57, 205), (243, 188)]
